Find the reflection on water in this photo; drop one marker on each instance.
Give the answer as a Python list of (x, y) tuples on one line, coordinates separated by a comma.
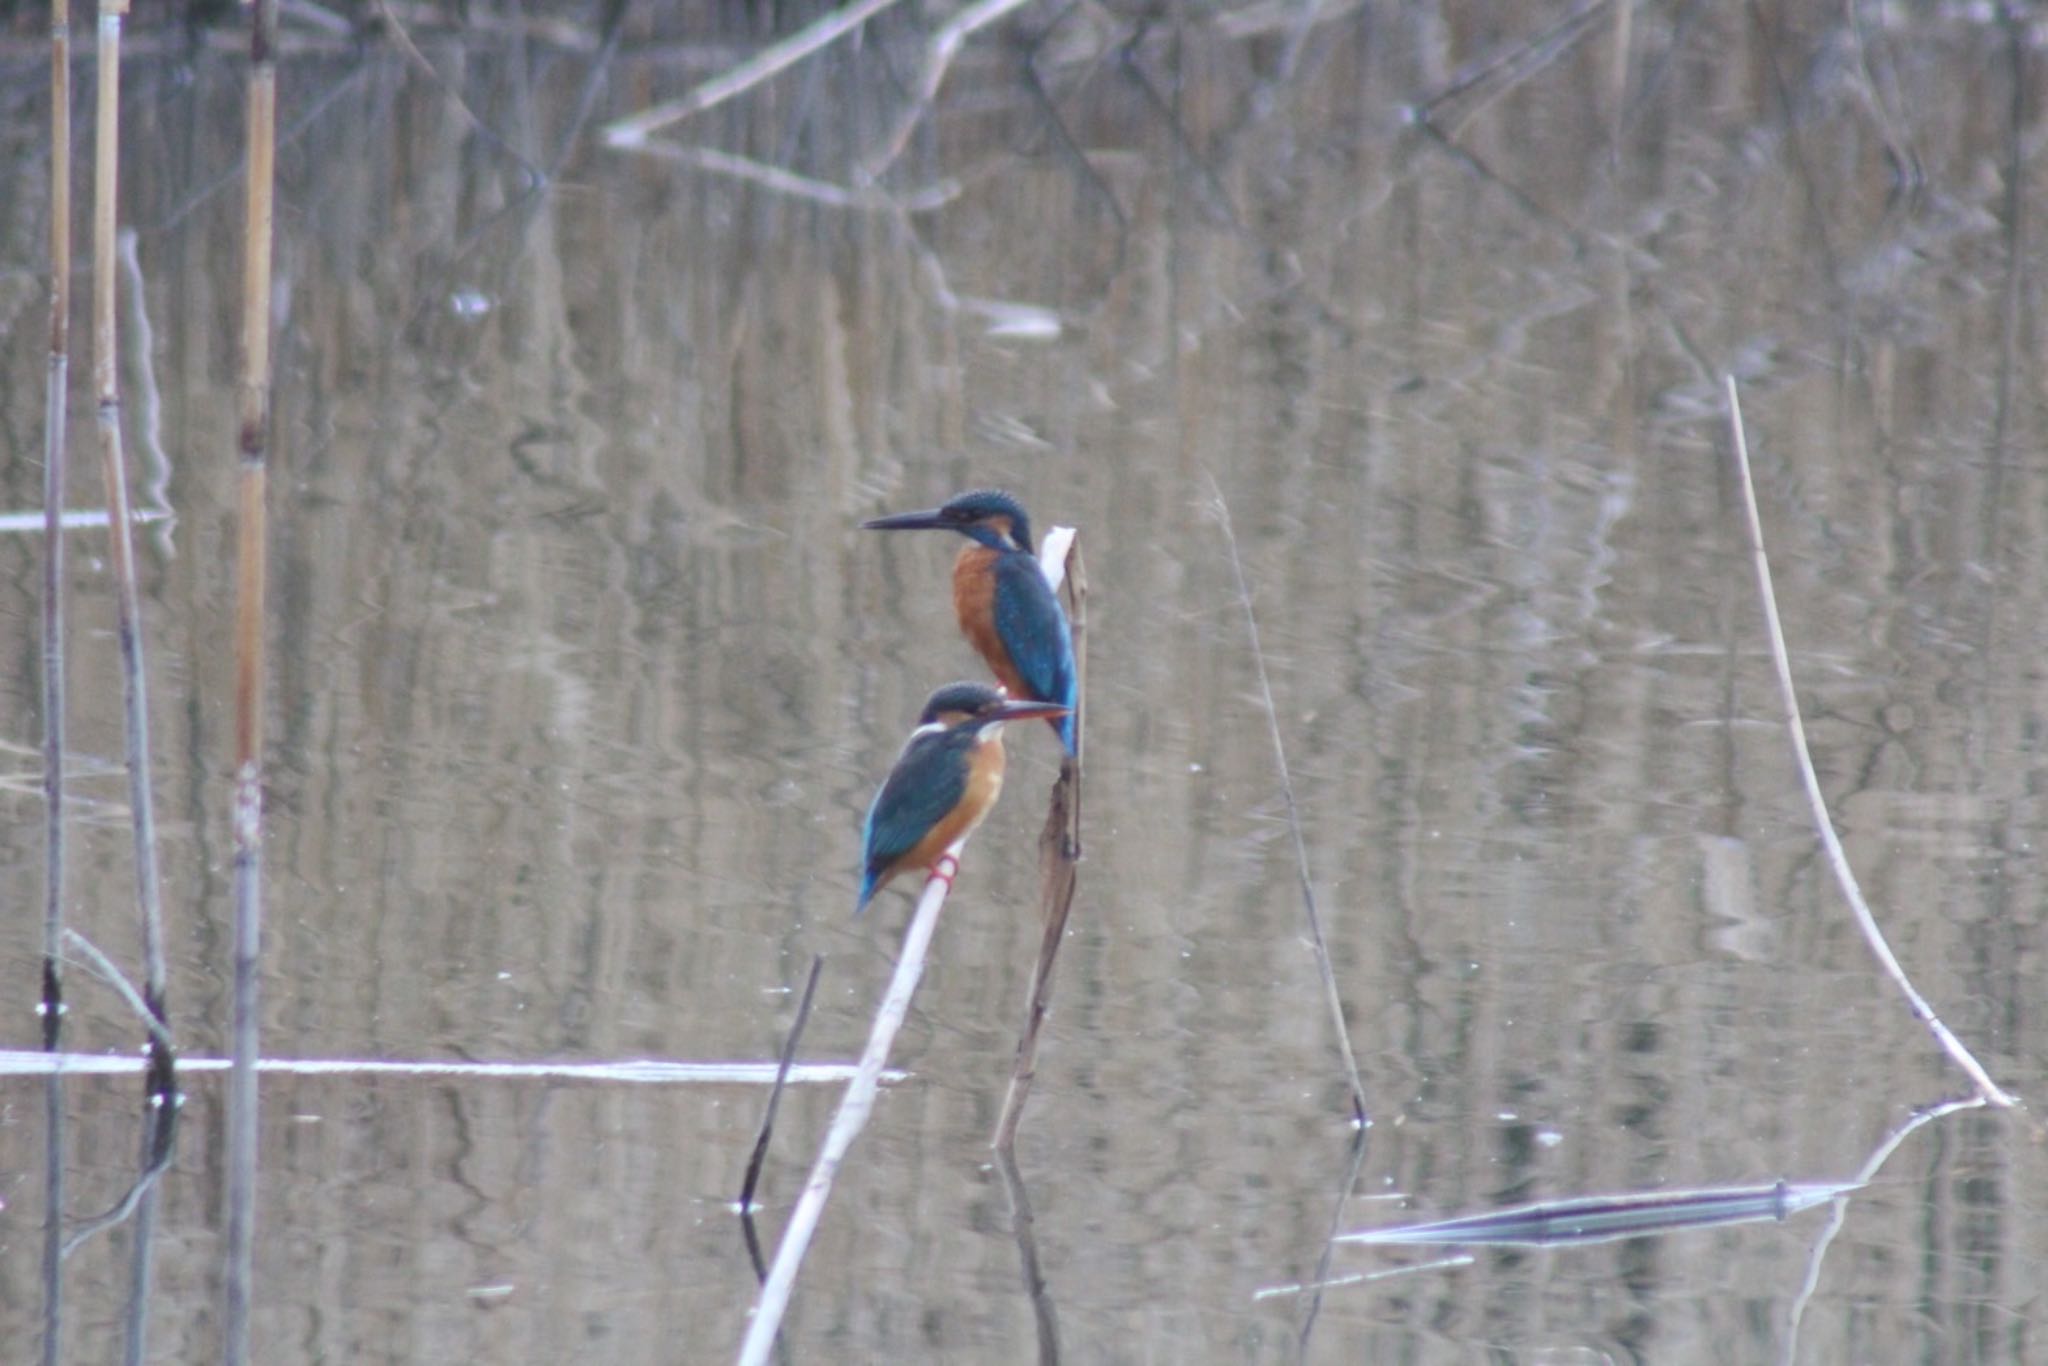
[(583, 675)]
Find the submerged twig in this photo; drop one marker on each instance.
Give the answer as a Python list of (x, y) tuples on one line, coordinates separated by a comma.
[(939, 52), (55, 452), (156, 1159), (252, 529), (769, 61), (1838, 861), (1512, 65), (798, 186), (852, 1115), (1059, 843), (1331, 996), (1867, 1174)]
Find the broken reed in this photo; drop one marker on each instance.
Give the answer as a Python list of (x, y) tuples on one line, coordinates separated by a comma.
[(1059, 847)]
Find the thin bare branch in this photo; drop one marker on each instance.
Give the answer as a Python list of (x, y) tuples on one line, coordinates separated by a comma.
[(1331, 996)]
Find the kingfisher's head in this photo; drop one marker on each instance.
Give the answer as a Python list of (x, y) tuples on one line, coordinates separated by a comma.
[(989, 516)]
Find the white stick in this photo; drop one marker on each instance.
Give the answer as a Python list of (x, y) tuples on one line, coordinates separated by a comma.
[(854, 1108), (1837, 860)]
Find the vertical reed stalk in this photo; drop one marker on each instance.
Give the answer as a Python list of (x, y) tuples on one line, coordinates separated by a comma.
[(161, 1082), (249, 595), (120, 528), (1059, 850), (54, 453)]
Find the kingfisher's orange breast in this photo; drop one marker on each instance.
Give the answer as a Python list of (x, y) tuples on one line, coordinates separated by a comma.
[(974, 603), (984, 784)]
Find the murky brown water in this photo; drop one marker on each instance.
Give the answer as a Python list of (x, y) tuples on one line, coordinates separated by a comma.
[(582, 677)]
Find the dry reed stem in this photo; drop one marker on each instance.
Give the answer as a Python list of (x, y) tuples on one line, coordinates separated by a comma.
[(1059, 843), (162, 1081), (771, 60), (1044, 1314), (1838, 861), (852, 1114), (252, 535), (1331, 996), (55, 451), (120, 529)]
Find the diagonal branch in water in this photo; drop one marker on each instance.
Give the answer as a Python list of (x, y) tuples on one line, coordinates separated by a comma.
[(851, 1116), (1331, 995), (1838, 861)]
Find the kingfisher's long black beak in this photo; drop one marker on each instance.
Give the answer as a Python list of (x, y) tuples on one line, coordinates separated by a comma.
[(930, 519), (1007, 710)]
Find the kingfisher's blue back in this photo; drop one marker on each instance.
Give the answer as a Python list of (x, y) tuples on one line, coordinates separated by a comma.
[(1034, 633), (926, 785)]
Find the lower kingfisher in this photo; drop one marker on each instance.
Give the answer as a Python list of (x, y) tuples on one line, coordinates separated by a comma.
[(1006, 607), (944, 782)]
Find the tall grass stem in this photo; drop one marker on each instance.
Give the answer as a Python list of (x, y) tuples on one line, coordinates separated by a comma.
[(1331, 996), (1838, 861)]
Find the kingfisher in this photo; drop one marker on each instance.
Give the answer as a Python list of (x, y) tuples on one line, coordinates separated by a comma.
[(944, 782), (1007, 609)]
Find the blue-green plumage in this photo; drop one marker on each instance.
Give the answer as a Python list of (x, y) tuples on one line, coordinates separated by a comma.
[(943, 783), (928, 781), (1034, 633)]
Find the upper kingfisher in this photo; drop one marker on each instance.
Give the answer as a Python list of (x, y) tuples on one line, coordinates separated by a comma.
[(944, 782), (1007, 609)]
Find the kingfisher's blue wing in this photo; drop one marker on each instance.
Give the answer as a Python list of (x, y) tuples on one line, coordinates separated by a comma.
[(1034, 631), (929, 780)]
